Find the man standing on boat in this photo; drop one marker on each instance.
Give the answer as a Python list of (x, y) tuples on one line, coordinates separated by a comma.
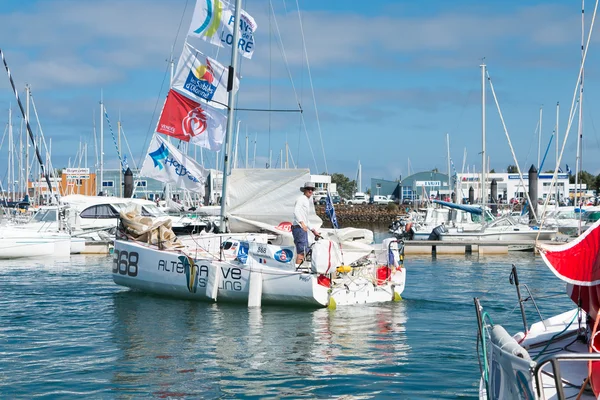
[(303, 208)]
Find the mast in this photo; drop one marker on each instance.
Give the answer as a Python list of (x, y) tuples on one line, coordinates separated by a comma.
[(37, 151), (483, 155), (119, 139), (359, 178), (101, 145), (449, 172), (230, 110), (557, 165), (27, 94), (22, 189), (580, 127), (246, 146), (287, 151), (539, 141), (254, 155), (11, 167)]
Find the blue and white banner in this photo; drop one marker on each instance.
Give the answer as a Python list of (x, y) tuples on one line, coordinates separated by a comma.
[(213, 22), (165, 163), (330, 211), (201, 78)]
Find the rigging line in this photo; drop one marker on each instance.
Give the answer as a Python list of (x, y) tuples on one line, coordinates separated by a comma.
[(37, 152), (283, 53), (45, 146), (512, 150), (114, 140), (573, 101), (97, 163), (269, 110), (143, 154), (312, 87), (129, 149)]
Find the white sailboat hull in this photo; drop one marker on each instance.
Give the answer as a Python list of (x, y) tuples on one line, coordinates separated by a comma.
[(529, 235), (146, 268), (17, 244)]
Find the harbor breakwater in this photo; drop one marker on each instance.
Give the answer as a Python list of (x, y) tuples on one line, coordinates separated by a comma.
[(372, 213)]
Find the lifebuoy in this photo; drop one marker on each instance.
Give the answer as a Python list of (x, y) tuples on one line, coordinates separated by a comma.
[(408, 226)]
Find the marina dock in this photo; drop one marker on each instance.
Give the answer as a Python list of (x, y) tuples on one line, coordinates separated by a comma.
[(462, 247)]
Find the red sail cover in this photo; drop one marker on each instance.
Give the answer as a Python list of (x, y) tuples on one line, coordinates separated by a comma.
[(576, 262)]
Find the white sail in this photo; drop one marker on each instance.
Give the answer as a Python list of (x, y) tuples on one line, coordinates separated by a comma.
[(265, 195)]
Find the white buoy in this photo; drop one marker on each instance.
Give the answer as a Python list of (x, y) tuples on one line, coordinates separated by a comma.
[(255, 288), (213, 282)]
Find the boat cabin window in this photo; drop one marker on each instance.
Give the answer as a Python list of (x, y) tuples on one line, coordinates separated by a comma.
[(227, 245), (592, 216), (488, 217), (502, 222), (100, 211), (47, 215)]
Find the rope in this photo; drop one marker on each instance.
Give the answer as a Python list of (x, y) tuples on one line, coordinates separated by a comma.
[(123, 164), (145, 146), (555, 336), (280, 45), (573, 104)]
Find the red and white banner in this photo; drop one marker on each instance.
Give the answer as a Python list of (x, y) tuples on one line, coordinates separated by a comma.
[(187, 120)]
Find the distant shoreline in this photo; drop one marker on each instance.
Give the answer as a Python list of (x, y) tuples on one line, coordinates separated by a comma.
[(367, 213)]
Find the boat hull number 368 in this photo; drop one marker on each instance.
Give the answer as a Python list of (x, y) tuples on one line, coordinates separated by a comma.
[(126, 263)]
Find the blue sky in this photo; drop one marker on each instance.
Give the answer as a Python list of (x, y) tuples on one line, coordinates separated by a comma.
[(391, 79)]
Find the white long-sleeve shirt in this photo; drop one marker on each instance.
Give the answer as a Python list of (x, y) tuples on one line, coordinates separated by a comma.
[(303, 208)]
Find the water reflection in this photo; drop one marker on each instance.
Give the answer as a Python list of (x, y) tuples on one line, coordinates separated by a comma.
[(188, 349)]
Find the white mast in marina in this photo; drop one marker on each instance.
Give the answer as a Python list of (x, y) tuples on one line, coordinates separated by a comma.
[(27, 94), (540, 140), (580, 126), (557, 165), (483, 169), (230, 111), (449, 171), (101, 184)]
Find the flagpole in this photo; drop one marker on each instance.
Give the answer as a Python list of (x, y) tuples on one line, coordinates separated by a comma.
[(230, 111)]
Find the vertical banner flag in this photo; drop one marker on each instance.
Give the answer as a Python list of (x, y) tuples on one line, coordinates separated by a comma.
[(213, 22), (330, 211), (165, 163), (187, 120), (201, 78)]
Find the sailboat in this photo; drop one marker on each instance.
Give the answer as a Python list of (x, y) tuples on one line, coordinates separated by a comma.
[(558, 357), (254, 262)]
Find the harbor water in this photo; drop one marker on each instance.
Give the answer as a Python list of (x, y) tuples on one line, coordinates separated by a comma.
[(67, 331)]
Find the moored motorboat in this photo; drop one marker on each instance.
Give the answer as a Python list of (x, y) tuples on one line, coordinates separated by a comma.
[(20, 243)]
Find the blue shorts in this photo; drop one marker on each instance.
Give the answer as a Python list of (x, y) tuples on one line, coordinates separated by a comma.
[(300, 239)]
